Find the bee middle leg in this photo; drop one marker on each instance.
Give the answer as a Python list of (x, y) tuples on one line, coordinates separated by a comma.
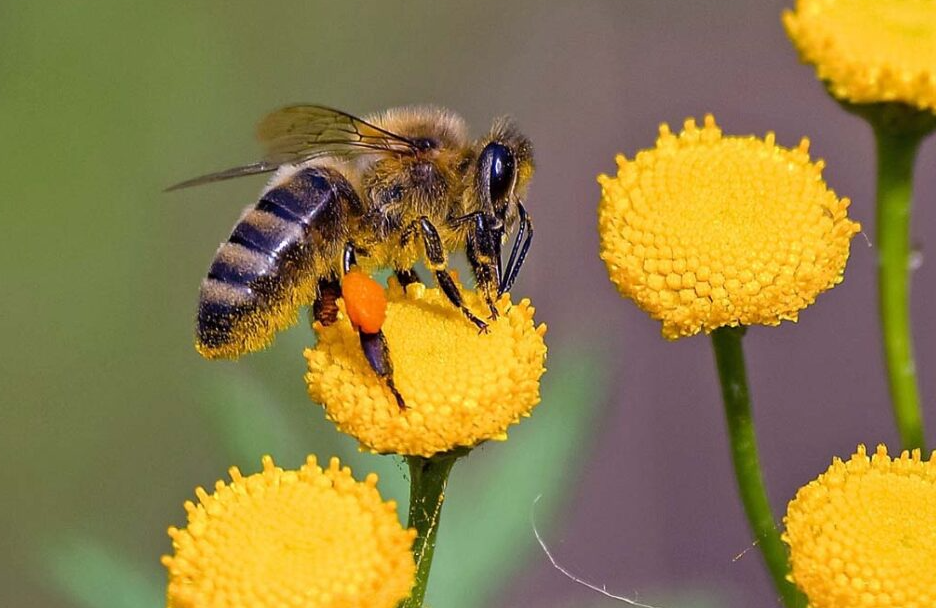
[(407, 276), (435, 254)]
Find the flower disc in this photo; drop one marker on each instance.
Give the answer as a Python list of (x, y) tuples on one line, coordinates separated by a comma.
[(870, 51), (461, 386), (705, 231), (291, 539), (864, 533)]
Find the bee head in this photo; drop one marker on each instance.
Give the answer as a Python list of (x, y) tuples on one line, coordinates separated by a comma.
[(505, 165)]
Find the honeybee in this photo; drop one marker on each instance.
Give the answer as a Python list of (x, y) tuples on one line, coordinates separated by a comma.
[(387, 191)]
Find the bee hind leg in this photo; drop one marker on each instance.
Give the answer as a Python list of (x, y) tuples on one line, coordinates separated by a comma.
[(375, 347), (325, 307), (377, 352)]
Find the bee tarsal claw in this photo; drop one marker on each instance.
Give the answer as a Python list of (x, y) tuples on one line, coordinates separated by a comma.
[(377, 353), (396, 394)]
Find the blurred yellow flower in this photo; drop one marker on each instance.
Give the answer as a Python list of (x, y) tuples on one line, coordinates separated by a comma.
[(705, 231), (298, 539), (864, 533), (461, 387), (870, 51)]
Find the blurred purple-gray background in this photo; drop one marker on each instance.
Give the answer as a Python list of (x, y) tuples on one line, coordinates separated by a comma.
[(108, 418)]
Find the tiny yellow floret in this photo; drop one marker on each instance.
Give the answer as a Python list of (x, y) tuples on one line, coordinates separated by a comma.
[(864, 533), (869, 51), (461, 386), (291, 539), (706, 230)]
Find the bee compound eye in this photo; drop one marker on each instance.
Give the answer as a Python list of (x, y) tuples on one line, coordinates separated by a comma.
[(501, 170)]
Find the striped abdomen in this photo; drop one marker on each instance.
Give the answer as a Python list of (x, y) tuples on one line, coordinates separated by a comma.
[(267, 268)]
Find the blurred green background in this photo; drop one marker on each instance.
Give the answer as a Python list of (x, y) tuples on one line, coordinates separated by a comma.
[(109, 419)]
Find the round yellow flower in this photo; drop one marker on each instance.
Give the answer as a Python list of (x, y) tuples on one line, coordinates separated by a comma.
[(864, 533), (461, 387), (705, 231), (299, 539), (870, 51)]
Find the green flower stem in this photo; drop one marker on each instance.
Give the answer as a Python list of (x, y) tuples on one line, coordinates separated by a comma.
[(428, 478), (896, 152), (729, 356)]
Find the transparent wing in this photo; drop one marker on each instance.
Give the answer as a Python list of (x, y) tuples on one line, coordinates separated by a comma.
[(298, 132), (252, 169), (301, 132)]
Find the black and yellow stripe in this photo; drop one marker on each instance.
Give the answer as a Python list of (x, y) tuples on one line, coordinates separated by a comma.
[(269, 265)]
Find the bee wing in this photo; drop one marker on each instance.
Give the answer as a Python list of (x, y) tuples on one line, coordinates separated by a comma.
[(252, 169), (301, 132)]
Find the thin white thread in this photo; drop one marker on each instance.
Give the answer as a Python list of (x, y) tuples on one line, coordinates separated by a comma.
[(603, 590), (743, 553), (434, 523)]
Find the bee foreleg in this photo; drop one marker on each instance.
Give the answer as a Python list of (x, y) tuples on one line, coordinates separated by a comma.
[(377, 353), (519, 251), (484, 239), (435, 254), (325, 307)]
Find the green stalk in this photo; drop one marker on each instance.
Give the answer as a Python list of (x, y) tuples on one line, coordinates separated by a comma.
[(896, 153), (428, 478), (729, 356)]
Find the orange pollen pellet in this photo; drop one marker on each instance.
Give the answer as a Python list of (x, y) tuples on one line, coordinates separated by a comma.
[(365, 301)]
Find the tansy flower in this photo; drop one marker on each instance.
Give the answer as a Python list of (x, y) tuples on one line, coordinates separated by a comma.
[(301, 539), (864, 533), (461, 387), (870, 51), (705, 231)]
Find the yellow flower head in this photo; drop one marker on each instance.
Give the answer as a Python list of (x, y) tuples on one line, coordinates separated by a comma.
[(301, 539), (864, 533), (461, 387), (705, 231), (870, 51)]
